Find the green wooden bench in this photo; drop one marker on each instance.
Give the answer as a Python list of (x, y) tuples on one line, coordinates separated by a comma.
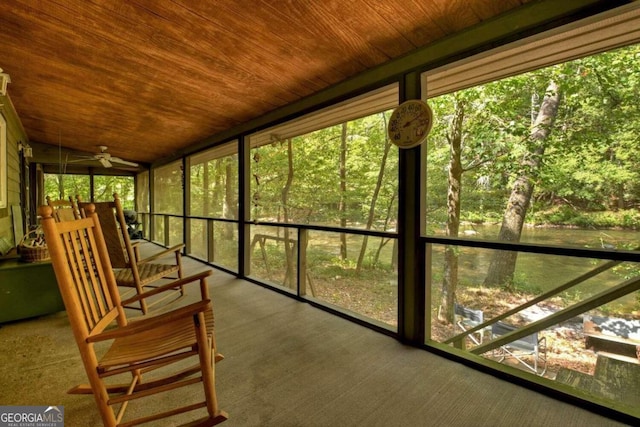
[(27, 289)]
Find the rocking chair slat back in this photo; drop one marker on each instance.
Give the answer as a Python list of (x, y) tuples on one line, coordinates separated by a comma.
[(113, 235), (84, 278), (131, 270), (63, 210)]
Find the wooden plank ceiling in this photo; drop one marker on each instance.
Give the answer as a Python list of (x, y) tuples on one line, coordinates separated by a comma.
[(148, 77)]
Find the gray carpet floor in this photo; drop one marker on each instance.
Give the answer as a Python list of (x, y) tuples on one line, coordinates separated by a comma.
[(290, 364)]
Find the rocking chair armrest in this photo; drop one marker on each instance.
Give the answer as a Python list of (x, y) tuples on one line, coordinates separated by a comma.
[(136, 250), (198, 277), (148, 323), (174, 249)]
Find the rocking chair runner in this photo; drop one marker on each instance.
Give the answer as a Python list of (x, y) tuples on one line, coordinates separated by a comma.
[(130, 270), (88, 287)]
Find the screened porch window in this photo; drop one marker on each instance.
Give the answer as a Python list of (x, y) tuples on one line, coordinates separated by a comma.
[(168, 182), (213, 205), (313, 183), (105, 186), (535, 149), (63, 186)]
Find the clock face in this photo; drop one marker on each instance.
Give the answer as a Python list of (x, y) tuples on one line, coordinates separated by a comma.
[(410, 123)]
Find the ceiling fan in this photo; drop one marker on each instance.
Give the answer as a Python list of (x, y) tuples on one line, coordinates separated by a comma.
[(107, 159)]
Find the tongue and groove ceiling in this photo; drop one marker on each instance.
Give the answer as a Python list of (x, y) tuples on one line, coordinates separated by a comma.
[(149, 78)]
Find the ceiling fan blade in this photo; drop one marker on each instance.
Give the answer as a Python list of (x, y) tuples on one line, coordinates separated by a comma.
[(105, 163), (79, 159), (123, 162)]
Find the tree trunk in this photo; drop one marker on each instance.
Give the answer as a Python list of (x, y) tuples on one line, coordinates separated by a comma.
[(213, 174), (387, 220), (450, 277), (61, 195), (342, 206), (374, 200), (288, 247), (206, 200), (503, 263), (230, 207)]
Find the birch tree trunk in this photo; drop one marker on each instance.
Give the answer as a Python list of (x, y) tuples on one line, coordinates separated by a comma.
[(503, 263)]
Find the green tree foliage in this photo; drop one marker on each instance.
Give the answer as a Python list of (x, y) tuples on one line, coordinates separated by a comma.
[(590, 161), (105, 186), (594, 163), (214, 187), (63, 186), (168, 182), (315, 192)]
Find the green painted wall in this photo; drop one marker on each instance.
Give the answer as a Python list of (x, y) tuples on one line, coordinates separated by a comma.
[(15, 135)]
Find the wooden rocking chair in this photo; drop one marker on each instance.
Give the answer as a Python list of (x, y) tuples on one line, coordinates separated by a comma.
[(130, 270), (145, 347), (63, 210)]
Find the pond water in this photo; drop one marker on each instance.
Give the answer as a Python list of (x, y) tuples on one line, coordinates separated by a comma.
[(539, 273)]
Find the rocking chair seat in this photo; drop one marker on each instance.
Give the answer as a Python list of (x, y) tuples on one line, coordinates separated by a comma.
[(148, 273), (170, 334)]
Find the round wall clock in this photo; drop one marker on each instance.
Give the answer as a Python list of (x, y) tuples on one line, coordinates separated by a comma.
[(410, 123)]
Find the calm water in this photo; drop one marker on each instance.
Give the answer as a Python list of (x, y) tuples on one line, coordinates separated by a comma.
[(540, 273)]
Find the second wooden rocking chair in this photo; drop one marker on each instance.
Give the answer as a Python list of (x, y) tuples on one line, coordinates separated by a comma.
[(131, 270)]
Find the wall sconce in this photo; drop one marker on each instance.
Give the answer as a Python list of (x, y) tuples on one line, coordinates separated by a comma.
[(26, 149), (4, 79)]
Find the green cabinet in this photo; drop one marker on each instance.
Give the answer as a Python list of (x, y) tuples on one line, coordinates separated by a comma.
[(27, 289)]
